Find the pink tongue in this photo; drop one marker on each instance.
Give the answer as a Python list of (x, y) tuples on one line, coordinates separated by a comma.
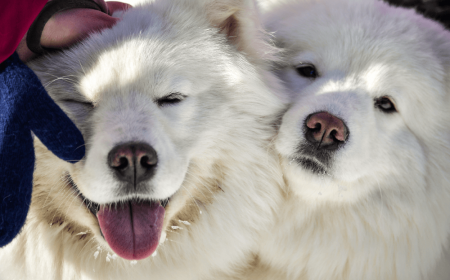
[(132, 230)]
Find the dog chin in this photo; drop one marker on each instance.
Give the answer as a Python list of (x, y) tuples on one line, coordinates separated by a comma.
[(311, 164), (311, 180), (131, 227), (300, 169)]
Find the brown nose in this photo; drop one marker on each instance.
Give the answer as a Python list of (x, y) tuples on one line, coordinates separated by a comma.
[(133, 162), (325, 131)]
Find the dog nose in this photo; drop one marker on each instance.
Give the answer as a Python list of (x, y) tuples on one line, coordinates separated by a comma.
[(133, 162), (325, 131)]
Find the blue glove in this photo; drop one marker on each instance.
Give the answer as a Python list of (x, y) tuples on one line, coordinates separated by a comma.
[(24, 107)]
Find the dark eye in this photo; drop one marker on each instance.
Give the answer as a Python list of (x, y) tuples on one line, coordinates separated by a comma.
[(170, 99), (307, 71), (86, 104), (385, 104)]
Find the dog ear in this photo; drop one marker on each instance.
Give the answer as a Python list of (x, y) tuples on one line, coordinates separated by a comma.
[(240, 22)]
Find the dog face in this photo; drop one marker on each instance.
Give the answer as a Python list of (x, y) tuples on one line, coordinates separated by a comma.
[(157, 99), (146, 131), (368, 100)]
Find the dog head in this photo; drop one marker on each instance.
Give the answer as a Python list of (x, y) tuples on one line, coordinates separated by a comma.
[(157, 98), (369, 89)]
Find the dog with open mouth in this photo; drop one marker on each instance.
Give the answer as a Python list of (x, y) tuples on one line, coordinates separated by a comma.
[(365, 144), (176, 104)]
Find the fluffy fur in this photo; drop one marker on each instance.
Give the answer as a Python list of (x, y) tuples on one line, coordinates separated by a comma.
[(380, 207), (212, 144)]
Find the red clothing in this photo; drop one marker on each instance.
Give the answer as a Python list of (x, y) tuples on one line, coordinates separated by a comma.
[(16, 16)]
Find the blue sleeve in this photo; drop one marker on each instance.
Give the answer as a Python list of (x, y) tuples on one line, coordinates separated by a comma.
[(24, 107)]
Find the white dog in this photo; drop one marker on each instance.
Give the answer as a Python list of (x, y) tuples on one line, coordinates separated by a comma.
[(176, 105), (365, 145)]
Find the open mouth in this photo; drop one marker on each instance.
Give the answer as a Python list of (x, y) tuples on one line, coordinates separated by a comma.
[(131, 228)]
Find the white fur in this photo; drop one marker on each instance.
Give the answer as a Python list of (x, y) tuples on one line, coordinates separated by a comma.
[(382, 210), (213, 147)]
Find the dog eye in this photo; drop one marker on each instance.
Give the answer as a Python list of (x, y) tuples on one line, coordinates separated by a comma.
[(170, 99), (73, 102), (307, 71), (385, 105)]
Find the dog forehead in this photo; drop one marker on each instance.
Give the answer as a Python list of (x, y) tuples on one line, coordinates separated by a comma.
[(144, 66), (387, 48), (349, 33), (151, 52)]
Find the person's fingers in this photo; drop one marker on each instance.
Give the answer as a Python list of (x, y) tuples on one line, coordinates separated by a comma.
[(102, 4), (25, 54), (69, 27)]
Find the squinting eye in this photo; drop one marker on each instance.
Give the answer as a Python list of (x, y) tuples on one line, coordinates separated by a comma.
[(385, 104), (170, 99), (86, 104), (307, 71)]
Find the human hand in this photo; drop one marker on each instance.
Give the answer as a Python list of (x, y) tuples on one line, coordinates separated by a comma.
[(68, 27), (25, 106)]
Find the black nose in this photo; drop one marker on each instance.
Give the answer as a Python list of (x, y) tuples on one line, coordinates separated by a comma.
[(325, 131), (133, 162)]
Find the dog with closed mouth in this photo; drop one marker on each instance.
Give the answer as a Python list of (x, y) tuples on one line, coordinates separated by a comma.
[(365, 144), (176, 104)]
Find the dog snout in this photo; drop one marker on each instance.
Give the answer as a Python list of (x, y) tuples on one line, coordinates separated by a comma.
[(133, 162), (325, 131)]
